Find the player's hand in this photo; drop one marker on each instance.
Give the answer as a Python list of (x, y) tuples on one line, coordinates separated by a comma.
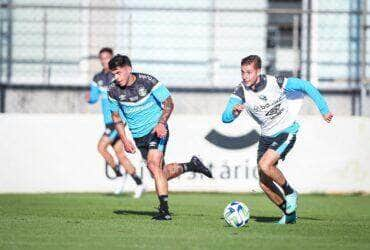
[(129, 146), (238, 109), (160, 130), (328, 117)]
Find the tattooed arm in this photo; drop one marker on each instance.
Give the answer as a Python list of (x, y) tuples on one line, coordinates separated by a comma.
[(161, 128)]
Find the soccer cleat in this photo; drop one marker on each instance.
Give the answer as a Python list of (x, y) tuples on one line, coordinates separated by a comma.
[(139, 190), (163, 214), (199, 167), (291, 202), (288, 219), (121, 184)]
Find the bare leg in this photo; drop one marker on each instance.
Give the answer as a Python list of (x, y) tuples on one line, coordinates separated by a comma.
[(103, 144), (155, 158), (173, 170), (123, 160), (270, 189), (268, 164)]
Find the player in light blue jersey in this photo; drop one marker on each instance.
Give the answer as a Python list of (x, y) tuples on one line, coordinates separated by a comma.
[(267, 100), (99, 90), (147, 105)]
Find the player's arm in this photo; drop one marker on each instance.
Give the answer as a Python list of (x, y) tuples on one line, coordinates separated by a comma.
[(234, 106), (293, 84), (119, 125), (92, 95), (161, 94)]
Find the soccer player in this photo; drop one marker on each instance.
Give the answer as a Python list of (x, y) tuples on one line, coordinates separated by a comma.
[(99, 87), (147, 105), (265, 98)]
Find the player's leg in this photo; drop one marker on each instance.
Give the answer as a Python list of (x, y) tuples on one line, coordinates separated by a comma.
[(278, 149), (103, 144), (270, 189), (129, 168), (154, 161), (174, 170)]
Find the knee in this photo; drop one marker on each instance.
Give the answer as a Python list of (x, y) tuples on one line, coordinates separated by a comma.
[(154, 168), (264, 166), (102, 148)]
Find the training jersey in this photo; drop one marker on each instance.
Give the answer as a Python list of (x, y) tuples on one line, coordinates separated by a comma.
[(268, 103), (140, 103), (99, 88)]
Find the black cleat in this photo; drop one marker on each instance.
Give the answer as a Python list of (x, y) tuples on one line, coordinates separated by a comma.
[(163, 214), (199, 167)]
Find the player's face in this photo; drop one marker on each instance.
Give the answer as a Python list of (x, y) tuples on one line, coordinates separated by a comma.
[(104, 60), (250, 74), (122, 75)]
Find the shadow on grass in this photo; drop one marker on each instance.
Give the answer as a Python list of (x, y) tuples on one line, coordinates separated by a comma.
[(267, 219), (135, 212)]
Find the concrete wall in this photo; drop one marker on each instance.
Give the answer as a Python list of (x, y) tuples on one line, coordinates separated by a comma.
[(72, 101)]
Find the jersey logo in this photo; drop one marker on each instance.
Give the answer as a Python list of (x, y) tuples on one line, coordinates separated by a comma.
[(263, 98), (142, 91), (122, 97), (134, 98)]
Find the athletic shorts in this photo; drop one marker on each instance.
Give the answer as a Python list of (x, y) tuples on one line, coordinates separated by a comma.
[(281, 143), (151, 141), (111, 132)]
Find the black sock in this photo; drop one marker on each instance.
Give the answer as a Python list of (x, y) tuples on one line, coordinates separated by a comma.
[(188, 167), (136, 179), (282, 206), (117, 170), (163, 202), (287, 188)]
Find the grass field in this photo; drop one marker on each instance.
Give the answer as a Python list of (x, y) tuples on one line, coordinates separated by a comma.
[(102, 221)]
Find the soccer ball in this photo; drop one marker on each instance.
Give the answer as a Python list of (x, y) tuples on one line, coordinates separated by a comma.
[(236, 214)]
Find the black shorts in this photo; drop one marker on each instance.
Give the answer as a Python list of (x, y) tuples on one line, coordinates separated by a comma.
[(151, 141), (281, 143)]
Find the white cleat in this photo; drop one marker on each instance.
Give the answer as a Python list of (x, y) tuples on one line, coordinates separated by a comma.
[(121, 184), (139, 190)]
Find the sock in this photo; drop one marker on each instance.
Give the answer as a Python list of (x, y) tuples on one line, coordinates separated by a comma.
[(136, 179), (163, 202), (282, 206), (287, 188), (117, 170), (188, 166)]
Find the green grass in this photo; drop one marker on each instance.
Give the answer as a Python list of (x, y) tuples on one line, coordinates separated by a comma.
[(101, 221)]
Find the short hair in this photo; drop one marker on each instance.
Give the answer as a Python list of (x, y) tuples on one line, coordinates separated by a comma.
[(107, 50), (119, 61), (256, 60)]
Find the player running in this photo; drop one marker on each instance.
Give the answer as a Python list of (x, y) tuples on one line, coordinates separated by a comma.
[(265, 98), (99, 87), (147, 105)]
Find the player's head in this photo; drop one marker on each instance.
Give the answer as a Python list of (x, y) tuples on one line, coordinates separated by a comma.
[(250, 69), (120, 65), (105, 54)]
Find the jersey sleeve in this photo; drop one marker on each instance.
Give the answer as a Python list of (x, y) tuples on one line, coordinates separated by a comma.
[(160, 92), (237, 97), (294, 84), (94, 91)]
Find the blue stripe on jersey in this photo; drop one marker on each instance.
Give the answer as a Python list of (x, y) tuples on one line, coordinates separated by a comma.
[(294, 84), (142, 116), (227, 115)]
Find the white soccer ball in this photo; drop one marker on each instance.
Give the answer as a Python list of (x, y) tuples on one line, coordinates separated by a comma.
[(236, 214)]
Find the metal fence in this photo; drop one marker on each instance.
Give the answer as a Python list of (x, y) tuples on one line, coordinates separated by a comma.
[(187, 44)]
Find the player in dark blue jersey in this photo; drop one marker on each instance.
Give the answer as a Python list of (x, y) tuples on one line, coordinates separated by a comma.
[(147, 105), (99, 88)]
